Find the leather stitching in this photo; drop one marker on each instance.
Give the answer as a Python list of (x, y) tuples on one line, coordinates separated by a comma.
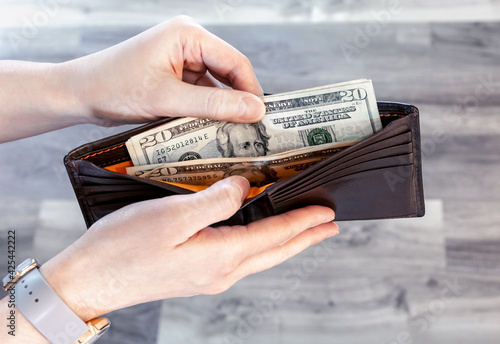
[(101, 152), (392, 115)]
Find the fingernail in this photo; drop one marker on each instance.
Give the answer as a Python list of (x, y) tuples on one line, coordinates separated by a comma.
[(332, 234), (330, 217), (244, 186), (251, 108)]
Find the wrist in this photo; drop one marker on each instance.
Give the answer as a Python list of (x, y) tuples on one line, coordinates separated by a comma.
[(50, 91), (68, 97), (72, 281), (40, 97)]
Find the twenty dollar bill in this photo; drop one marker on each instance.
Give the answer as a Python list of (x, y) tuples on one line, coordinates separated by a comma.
[(259, 171), (344, 112)]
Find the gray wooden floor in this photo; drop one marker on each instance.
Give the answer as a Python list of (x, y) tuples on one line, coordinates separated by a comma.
[(429, 280)]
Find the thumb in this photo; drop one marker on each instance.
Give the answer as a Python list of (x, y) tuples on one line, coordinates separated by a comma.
[(219, 202), (215, 103)]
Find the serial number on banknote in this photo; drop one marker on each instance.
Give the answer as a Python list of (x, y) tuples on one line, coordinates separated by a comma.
[(162, 152)]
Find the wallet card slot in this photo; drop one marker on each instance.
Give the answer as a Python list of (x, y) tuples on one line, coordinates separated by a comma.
[(334, 173), (100, 181), (322, 169), (396, 136), (397, 141), (393, 129), (337, 171), (393, 161), (118, 197), (92, 190), (389, 152), (390, 162), (402, 145), (367, 195)]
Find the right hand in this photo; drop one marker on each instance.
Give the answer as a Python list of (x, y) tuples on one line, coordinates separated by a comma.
[(166, 248)]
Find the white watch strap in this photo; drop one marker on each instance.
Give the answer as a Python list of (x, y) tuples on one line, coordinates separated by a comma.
[(40, 304)]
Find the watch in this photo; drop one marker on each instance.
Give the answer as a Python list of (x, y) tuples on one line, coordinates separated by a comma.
[(46, 311)]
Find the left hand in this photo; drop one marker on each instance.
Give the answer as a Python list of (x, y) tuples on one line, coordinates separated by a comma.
[(172, 69)]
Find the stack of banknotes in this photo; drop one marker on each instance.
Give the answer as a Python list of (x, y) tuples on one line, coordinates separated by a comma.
[(299, 129)]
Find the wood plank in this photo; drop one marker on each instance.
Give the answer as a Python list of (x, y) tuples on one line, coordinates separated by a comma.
[(234, 12), (371, 308)]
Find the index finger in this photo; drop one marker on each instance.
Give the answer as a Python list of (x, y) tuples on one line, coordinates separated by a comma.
[(225, 62), (274, 231)]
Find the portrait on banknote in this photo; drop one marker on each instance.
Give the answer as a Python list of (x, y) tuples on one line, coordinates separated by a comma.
[(242, 139), (257, 175)]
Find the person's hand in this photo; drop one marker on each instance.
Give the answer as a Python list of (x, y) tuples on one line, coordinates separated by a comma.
[(166, 248), (173, 69)]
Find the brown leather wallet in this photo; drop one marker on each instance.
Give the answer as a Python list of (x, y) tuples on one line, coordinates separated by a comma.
[(377, 178)]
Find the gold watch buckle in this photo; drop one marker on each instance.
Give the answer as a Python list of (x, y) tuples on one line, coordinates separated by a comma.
[(97, 327), (23, 268)]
